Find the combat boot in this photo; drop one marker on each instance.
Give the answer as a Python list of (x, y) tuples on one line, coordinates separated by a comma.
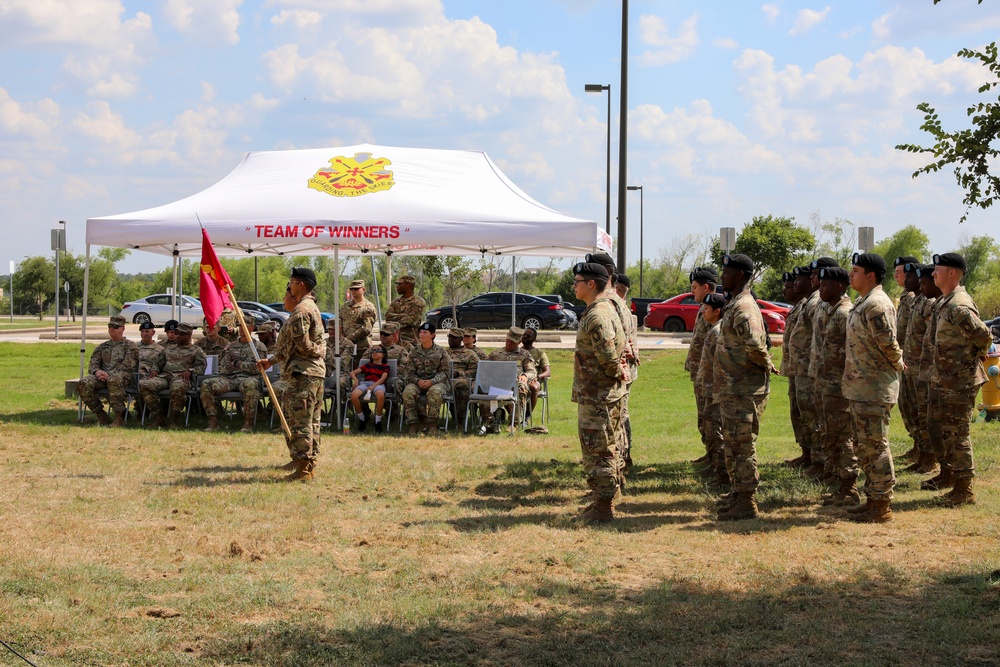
[(102, 417), (846, 492), (814, 471), (173, 418), (862, 508), (927, 464), (743, 507), (213, 424), (119, 419), (878, 512), (601, 511), (248, 421), (721, 479), (413, 428), (700, 460), (725, 501), (943, 480), (829, 478), (913, 454), (157, 421), (960, 495), (288, 466), (303, 471), (801, 461)]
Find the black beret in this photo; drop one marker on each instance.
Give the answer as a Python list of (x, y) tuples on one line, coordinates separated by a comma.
[(834, 273), (170, 325), (146, 325), (622, 279), (824, 263), (925, 270), (602, 258), (591, 270), (802, 270), (715, 301), (305, 274), (787, 277), (911, 267), (427, 326), (952, 260), (703, 274), (869, 261), (739, 262), (904, 260)]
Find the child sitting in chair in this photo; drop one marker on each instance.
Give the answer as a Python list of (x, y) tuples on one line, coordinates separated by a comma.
[(375, 374)]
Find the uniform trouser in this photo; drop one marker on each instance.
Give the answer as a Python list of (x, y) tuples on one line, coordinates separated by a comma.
[(933, 423), (214, 386), (302, 403), (435, 397), (905, 404), (626, 433), (805, 399), (838, 437), (921, 409), (796, 416), (713, 433), (740, 427), (151, 387), (462, 391), (600, 425), (116, 384), (870, 422), (952, 409), (699, 402)]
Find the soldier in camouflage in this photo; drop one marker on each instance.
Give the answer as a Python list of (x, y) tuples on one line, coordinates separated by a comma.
[(424, 373), (871, 383), (469, 341), (903, 310), (266, 334), (464, 363), (212, 343), (149, 349), (301, 351), (526, 372), (924, 460), (237, 372), (706, 388), (703, 282), (829, 474), (357, 318), (599, 377), (170, 331), (175, 369), (960, 339), (744, 387), (407, 310), (111, 367), (542, 365), (792, 296), (389, 337), (923, 325)]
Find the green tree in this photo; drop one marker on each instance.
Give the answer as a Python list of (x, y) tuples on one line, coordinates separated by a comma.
[(773, 242), (981, 259), (34, 284), (907, 241)]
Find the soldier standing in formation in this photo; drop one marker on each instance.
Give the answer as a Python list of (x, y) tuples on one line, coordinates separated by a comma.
[(920, 351), (407, 310), (357, 318), (622, 286), (706, 389), (788, 370), (828, 474), (904, 307), (464, 363), (703, 282), (237, 372), (301, 351), (599, 377), (424, 373), (175, 369), (111, 367)]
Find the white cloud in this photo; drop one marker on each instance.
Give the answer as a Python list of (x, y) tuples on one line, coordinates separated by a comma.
[(297, 18), (807, 19), (726, 43), (653, 31), (904, 22), (18, 122), (771, 11), (208, 22)]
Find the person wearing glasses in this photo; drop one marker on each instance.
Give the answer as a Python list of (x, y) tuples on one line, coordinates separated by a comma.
[(357, 317), (111, 368), (175, 369)]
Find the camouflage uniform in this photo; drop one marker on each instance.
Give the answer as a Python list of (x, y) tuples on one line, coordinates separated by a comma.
[(237, 372), (705, 391), (827, 361), (408, 312), (464, 364), (905, 404), (960, 338), (301, 350), (228, 320), (424, 364), (801, 341), (268, 326), (788, 371), (356, 322), (631, 333), (172, 362), (744, 386), (330, 365), (923, 368), (598, 390), (871, 384), (525, 366), (210, 348), (912, 346), (147, 357), (119, 359)]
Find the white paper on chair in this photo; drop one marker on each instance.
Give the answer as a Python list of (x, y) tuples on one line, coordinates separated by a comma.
[(500, 393), (210, 361)]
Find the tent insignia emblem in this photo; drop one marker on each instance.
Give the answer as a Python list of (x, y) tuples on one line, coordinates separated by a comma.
[(353, 176)]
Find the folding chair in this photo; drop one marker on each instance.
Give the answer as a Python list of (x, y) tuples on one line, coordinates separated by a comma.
[(496, 382), (543, 398), (391, 395)]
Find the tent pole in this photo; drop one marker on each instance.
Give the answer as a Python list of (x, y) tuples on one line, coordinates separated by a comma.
[(378, 305), (83, 325), (173, 288), (336, 330), (388, 276), (513, 291)]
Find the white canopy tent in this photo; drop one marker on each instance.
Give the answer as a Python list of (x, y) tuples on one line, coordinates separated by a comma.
[(353, 199)]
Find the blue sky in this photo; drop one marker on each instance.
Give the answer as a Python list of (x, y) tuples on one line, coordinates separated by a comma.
[(736, 109)]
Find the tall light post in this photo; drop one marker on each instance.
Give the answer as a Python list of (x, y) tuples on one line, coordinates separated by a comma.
[(600, 88), (623, 139), (641, 206)]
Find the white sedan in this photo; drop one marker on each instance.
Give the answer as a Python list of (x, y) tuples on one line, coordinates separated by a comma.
[(156, 309)]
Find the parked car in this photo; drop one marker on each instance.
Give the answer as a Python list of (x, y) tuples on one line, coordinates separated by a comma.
[(640, 306), (574, 321), (492, 311), (156, 309), (678, 314), (280, 307), (279, 317)]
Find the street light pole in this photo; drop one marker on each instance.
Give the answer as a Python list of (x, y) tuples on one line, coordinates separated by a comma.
[(623, 141), (641, 213), (600, 88)]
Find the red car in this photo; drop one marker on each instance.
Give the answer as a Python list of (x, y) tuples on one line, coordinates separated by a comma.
[(679, 313)]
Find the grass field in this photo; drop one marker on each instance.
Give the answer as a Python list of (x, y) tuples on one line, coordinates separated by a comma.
[(178, 548)]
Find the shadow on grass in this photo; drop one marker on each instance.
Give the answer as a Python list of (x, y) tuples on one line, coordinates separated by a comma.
[(223, 469), (876, 617), (197, 481), (53, 417)]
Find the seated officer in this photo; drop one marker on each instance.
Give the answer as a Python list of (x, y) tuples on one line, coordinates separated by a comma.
[(175, 369), (237, 372), (542, 366), (464, 362), (111, 367), (148, 349), (268, 336), (170, 331), (424, 373), (212, 342)]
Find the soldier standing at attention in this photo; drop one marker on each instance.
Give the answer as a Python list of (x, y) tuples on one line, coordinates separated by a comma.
[(301, 351), (925, 320), (148, 348), (469, 341), (960, 338), (542, 365), (526, 372), (237, 372), (464, 363), (828, 358), (425, 372), (829, 473), (705, 388), (111, 367), (871, 384), (407, 310), (703, 282), (922, 453), (745, 384), (175, 369), (599, 377), (357, 318), (622, 286), (788, 370), (212, 343), (903, 310)]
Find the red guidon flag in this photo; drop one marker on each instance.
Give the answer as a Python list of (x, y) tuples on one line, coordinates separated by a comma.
[(214, 281)]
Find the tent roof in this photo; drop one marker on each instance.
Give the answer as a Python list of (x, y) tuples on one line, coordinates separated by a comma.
[(360, 198)]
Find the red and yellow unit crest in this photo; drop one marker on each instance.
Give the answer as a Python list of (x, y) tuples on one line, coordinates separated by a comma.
[(353, 176)]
